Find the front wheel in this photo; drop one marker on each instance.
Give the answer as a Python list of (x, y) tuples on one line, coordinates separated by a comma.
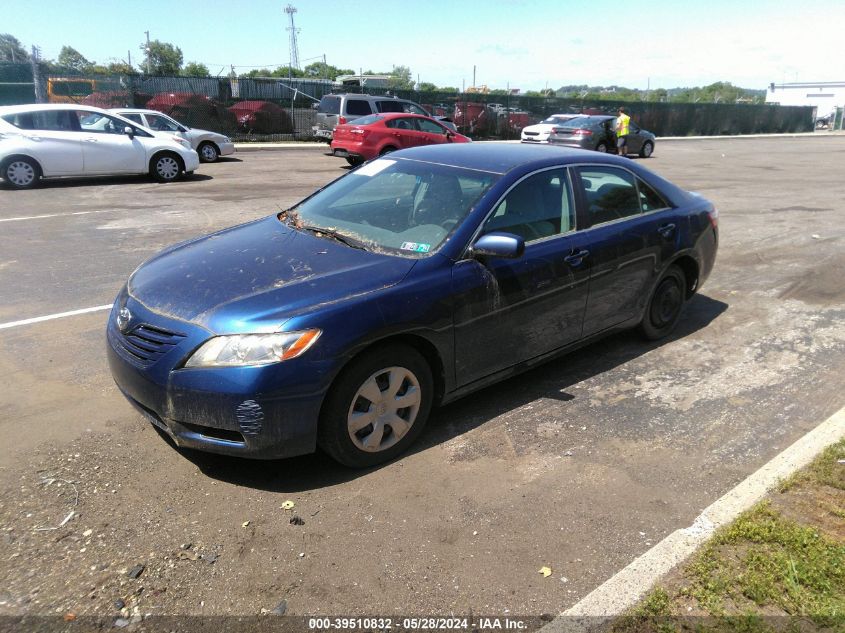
[(664, 308), (208, 152), (377, 407), (165, 167), (647, 149), (21, 173), (601, 147)]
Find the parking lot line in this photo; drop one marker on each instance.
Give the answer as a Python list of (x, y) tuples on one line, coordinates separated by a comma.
[(50, 317), (52, 215)]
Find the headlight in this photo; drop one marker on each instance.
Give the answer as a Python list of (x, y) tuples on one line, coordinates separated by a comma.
[(226, 139), (238, 350), (183, 142)]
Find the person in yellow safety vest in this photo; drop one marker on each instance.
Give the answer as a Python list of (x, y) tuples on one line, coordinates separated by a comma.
[(623, 128)]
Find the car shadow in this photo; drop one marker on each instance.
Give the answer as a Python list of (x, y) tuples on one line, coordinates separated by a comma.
[(549, 380), (61, 183), (229, 159)]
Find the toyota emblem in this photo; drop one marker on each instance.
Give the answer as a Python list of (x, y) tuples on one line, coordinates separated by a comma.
[(123, 318)]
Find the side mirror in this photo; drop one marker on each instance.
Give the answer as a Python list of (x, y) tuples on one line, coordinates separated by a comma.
[(504, 245), (129, 131)]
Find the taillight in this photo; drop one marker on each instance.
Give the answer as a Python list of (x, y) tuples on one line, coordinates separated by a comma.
[(583, 132), (341, 120), (714, 217)]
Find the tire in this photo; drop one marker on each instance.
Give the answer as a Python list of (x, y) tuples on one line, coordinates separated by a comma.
[(208, 152), (166, 167), (21, 173), (602, 147), (354, 160), (361, 431), (647, 149), (387, 150), (665, 306)]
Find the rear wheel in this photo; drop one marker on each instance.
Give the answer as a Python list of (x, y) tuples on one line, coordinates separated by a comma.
[(354, 160), (166, 167), (664, 309), (602, 147), (208, 152), (647, 149), (377, 407), (387, 150), (21, 173)]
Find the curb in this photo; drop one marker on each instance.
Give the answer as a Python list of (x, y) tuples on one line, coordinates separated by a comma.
[(624, 589)]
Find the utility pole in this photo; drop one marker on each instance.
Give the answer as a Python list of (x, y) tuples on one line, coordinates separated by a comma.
[(36, 75), (473, 75), (129, 58), (147, 49), (294, 46)]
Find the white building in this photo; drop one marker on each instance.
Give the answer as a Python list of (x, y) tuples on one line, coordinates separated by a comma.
[(826, 96)]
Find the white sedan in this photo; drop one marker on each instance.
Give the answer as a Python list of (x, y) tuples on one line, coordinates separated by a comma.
[(209, 145), (53, 140), (539, 133)]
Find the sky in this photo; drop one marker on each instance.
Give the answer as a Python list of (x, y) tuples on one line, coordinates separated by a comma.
[(525, 44)]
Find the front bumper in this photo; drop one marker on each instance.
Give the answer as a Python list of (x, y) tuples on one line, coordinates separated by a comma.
[(192, 160), (265, 412), (226, 149)]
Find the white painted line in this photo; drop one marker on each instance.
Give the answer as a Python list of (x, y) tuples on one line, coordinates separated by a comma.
[(622, 592), (52, 215), (50, 317)]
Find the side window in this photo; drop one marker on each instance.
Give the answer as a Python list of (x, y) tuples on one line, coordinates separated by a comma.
[(389, 105), (402, 124), (133, 117), (96, 123), (46, 120), (358, 107), (431, 127), (611, 194), (539, 206), (414, 109), (649, 198), (161, 124)]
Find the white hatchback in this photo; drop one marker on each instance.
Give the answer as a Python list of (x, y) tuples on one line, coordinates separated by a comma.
[(52, 140), (539, 133), (209, 145)]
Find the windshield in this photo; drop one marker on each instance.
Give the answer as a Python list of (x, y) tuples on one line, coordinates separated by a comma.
[(405, 207)]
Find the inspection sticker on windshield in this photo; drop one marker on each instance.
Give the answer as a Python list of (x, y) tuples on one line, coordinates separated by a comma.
[(373, 168), (417, 248)]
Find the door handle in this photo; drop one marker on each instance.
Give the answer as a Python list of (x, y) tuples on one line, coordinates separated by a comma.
[(91, 140), (666, 230), (575, 259)]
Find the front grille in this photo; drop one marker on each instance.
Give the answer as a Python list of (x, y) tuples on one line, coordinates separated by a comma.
[(145, 344)]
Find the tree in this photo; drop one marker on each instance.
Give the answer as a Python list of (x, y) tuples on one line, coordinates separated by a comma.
[(11, 49), (400, 78), (426, 86), (121, 68), (71, 58), (163, 58), (319, 70), (195, 69)]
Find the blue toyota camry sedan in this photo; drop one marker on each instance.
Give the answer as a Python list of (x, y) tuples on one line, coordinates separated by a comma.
[(409, 282)]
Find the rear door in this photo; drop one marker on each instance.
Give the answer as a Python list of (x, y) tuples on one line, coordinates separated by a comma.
[(632, 232), (404, 132), (52, 139)]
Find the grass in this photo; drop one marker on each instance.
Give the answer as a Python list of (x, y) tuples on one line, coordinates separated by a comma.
[(763, 565)]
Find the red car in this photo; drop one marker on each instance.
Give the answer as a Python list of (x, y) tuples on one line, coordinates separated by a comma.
[(261, 117), (378, 134)]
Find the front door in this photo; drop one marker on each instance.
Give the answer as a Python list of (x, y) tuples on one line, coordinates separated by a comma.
[(510, 311), (106, 148)]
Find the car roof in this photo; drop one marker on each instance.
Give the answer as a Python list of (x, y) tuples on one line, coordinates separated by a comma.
[(34, 107), (502, 157), (136, 110)]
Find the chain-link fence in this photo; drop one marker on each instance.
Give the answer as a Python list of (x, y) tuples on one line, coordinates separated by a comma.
[(266, 109)]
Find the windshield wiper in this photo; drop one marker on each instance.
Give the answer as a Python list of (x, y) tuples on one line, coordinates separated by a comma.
[(339, 237)]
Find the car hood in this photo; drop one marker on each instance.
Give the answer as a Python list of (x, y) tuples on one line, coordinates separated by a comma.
[(254, 277)]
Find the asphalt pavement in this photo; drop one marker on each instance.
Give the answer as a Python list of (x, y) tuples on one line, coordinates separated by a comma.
[(580, 465)]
